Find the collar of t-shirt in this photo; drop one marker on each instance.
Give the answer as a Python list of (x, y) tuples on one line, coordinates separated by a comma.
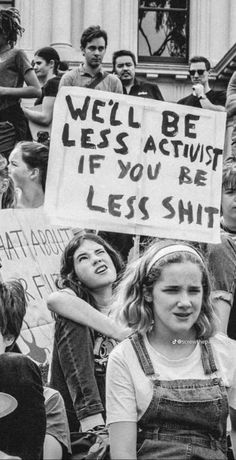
[(133, 87), (225, 228), (86, 73)]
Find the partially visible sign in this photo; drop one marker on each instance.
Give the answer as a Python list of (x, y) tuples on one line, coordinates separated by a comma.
[(30, 250)]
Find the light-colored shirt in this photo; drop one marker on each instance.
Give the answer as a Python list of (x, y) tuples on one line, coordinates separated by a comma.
[(80, 77), (129, 390)]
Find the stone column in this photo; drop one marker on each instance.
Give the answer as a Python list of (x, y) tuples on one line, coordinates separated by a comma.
[(61, 30), (120, 20), (129, 25), (218, 30), (92, 13), (112, 26), (232, 23), (199, 28)]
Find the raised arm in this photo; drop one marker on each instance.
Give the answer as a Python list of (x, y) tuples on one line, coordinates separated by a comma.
[(72, 307)]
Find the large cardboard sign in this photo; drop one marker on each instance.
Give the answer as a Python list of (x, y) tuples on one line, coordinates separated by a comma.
[(30, 250), (133, 165)]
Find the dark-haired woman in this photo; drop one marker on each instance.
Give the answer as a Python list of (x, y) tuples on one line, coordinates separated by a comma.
[(28, 168), (89, 269), (46, 62), (17, 77)]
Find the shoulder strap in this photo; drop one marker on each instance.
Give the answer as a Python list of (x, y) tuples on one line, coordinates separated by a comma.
[(142, 353), (100, 77), (208, 360)]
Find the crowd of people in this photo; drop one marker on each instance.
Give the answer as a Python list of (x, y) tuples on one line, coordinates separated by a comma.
[(144, 349)]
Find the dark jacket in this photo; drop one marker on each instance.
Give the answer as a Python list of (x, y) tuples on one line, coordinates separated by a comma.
[(144, 89)]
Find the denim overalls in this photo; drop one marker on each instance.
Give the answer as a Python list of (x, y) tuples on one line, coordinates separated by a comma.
[(186, 419)]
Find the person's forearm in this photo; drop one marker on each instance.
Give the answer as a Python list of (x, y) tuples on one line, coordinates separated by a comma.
[(81, 312), (24, 92), (206, 104), (123, 441), (37, 117)]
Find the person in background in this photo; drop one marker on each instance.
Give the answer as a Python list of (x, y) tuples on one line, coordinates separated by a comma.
[(22, 432), (46, 62), (222, 256), (231, 110), (56, 443), (28, 164), (7, 189), (202, 95), (90, 74), (17, 77), (124, 64), (170, 384), (83, 303)]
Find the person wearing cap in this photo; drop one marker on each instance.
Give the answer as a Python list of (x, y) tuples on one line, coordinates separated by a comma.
[(124, 64), (202, 95), (46, 62)]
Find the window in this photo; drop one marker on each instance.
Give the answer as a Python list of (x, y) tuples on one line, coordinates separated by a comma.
[(163, 30), (6, 4)]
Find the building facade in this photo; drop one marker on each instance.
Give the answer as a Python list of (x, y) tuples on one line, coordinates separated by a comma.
[(163, 34)]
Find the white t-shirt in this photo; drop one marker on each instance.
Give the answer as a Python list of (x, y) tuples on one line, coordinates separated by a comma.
[(129, 391)]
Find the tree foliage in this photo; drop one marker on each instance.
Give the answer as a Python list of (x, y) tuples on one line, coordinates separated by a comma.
[(172, 23)]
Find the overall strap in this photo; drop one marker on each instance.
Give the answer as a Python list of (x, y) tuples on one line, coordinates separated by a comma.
[(101, 76), (208, 360), (142, 353)]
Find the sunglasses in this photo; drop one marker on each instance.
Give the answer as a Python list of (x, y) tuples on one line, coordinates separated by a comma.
[(199, 71)]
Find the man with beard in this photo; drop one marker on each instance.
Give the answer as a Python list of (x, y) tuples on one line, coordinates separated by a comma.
[(124, 64), (90, 74), (202, 95)]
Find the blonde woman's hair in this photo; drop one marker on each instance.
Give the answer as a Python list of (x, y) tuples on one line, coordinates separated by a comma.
[(135, 289)]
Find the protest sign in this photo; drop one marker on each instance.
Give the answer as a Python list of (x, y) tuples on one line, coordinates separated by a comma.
[(133, 165), (30, 250)]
